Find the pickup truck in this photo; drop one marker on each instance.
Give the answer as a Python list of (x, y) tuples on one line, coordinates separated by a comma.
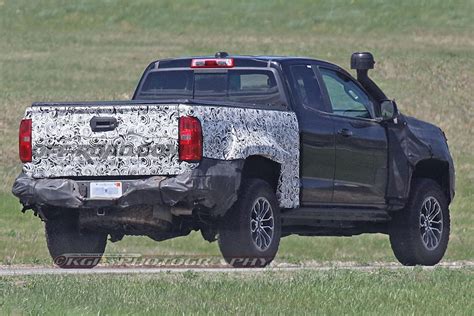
[(244, 149)]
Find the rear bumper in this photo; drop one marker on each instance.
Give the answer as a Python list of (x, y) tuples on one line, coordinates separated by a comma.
[(212, 185)]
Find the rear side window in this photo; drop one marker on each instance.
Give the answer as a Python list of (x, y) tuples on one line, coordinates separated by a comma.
[(306, 87), (234, 85)]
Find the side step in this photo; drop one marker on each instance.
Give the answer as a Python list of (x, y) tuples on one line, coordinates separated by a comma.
[(305, 214)]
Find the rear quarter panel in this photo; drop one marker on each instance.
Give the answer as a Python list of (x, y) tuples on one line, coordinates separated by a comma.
[(237, 133)]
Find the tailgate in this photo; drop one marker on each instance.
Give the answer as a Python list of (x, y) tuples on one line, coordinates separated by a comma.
[(104, 140)]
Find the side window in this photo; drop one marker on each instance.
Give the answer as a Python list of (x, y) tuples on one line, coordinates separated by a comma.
[(346, 97), (306, 87)]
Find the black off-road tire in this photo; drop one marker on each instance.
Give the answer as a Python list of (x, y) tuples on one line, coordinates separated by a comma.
[(71, 247), (407, 227), (239, 229)]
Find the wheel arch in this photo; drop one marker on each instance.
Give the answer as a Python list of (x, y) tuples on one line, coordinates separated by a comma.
[(261, 167), (435, 169)]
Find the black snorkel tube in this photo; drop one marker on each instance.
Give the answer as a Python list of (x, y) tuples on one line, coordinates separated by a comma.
[(362, 62)]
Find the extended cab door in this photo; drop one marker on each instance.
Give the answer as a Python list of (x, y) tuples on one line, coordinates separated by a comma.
[(361, 142), (316, 135)]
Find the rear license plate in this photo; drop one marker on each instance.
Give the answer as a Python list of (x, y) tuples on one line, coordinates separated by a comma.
[(105, 190)]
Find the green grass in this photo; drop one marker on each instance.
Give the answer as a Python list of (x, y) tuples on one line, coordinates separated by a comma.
[(91, 50), (439, 292), (96, 50)]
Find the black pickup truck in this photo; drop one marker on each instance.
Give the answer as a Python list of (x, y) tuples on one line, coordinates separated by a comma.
[(245, 149)]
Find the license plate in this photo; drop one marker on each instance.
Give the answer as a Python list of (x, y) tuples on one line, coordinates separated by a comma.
[(105, 190)]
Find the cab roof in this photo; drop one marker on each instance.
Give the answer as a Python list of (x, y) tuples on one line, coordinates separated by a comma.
[(239, 61)]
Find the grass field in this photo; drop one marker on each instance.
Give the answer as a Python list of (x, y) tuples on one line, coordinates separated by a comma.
[(96, 50), (90, 50), (408, 292)]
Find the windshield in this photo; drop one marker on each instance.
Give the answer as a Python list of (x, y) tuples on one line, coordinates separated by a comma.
[(242, 86)]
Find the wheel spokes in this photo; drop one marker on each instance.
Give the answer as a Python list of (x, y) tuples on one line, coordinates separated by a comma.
[(262, 224), (431, 223)]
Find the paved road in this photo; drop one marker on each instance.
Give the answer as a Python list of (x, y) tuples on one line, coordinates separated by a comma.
[(28, 270)]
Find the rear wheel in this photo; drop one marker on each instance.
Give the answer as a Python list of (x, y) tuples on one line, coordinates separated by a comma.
[(71, 247), (250, 232), (420, 233)]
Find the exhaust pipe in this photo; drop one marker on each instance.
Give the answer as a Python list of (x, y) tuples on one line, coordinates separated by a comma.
[(362, 62)]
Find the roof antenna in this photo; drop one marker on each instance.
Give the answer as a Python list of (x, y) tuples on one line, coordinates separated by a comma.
[(221, 55)]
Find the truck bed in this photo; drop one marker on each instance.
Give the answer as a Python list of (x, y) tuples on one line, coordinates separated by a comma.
[(144, 141)]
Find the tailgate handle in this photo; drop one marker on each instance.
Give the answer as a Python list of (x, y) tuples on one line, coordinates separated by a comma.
[(103, 124)]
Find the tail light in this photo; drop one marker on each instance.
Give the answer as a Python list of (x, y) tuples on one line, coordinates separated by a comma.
[(190, 139), (213, 63), (25, 141)]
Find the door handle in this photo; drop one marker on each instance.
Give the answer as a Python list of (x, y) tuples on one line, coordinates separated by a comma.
[(345, 132), (103, 124)]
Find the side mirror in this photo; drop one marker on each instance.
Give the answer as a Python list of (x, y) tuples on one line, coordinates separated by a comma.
[(389, 110)]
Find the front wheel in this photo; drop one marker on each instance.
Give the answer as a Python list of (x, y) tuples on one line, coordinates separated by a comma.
[(71, 247), (250, 232), (420, 233)]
